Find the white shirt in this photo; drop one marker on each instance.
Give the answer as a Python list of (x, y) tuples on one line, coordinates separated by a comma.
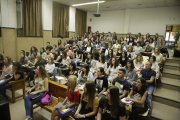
[(49, 68)]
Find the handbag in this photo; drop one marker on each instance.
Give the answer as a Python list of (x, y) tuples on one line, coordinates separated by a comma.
[(46, 98)]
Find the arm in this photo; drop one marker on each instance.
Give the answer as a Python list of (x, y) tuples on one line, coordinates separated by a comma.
[(95, 109), (46, 87), (151, 79), (99, 114), (142, 100), (125, 92), (122, 118)]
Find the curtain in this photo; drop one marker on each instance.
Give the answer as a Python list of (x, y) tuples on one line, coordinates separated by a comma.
[(32, 18), (80, 22), (60, 20)]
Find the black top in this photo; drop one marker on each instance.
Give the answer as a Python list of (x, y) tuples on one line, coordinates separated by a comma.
[(146, 74), (101, 82), (107, 110), (121, 84)]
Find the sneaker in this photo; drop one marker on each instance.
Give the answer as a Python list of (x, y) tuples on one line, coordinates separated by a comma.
[(28, 118)]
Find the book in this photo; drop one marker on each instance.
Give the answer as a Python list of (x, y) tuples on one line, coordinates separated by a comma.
[(64, 111)]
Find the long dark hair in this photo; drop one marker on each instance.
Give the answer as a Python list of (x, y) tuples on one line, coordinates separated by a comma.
[(116, 62), (114, 99), (91, 90), (132, 64)]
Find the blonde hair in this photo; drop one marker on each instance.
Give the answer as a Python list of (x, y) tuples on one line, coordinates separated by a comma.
[(72, 82)]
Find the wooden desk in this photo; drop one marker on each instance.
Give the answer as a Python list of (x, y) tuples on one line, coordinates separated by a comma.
[(57, 89)]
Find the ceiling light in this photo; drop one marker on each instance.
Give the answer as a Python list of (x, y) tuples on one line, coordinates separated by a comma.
[(88, 3)]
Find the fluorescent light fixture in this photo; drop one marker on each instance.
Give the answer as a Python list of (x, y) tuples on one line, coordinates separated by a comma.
[(88, 3)]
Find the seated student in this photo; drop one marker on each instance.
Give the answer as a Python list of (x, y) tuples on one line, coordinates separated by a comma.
[(101, 81), (112, 70), (7, 68), (85, 74), (149, 75), (130, 75), (155, 66), (121, 83), (88, 106), (72, 69), (71, 100), (138, 62), (50, 66), (138, 96), (35, 93), (110, 107), (17, 74)]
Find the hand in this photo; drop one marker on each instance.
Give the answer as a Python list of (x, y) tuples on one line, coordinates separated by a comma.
[(33, 93), (59, 105), (28, 92), (79, 116)]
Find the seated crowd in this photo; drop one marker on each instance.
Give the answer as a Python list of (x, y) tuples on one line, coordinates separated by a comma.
[(110, 69)]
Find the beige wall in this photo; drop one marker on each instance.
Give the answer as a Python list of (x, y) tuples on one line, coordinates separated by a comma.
[(11, 45)]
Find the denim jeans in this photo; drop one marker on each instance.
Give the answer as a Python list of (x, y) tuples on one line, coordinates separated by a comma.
[(150, 90), (29, 102)]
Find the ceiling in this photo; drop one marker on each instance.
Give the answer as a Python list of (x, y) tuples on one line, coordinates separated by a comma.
[(121, 4)]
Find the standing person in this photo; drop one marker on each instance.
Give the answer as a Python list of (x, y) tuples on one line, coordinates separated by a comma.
[(71, 100), (35, 93), (110, 108), (138, 96), (88, 106)]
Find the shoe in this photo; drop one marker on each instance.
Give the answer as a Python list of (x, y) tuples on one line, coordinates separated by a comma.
[(28, 118)]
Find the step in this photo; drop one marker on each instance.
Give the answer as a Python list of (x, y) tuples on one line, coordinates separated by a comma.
[(172, 63), (167, 75), (171, 81), (169, 71), (165, 112), (168, 96), (172, 67)]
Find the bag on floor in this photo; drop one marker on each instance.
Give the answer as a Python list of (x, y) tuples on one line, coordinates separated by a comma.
[(47, 98)]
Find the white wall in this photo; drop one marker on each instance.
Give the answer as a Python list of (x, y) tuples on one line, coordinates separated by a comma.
[(8, 13), (72, 14), (47, 6), (152, 20)]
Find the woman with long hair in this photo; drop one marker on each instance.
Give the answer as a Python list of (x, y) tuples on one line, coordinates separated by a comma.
[(71, 100), (130, 75), (35, 93), (110, 107), (7, 68), (112, 70), (88, 106), (138, 96)]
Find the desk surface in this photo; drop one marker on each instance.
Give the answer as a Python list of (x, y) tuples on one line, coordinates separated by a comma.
[(57, 84)]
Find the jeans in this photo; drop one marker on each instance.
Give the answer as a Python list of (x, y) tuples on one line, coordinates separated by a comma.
[(29, 102), (150, 90)]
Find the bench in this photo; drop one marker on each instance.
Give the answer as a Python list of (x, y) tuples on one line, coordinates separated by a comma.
[(58, 91)]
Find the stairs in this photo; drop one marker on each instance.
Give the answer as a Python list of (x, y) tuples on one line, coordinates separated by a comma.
[(166, 99)]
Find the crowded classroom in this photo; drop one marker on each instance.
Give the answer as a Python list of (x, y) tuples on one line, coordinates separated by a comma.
[(89, 60)]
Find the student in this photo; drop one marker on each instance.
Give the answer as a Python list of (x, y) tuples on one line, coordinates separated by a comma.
[(130, 75), (50, 66), (72, 68), (71, 100), (138, 96), (101, 81), (35, 93), (121, 83), (17, 74), (88, 106), (110, 107), (149, 75)]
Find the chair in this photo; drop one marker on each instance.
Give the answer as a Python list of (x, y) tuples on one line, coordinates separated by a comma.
[(13, 86)]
